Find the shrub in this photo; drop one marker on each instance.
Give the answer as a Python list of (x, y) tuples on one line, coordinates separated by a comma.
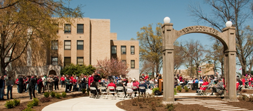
[(9, 104), (58, 95), (186, 88), (64, 94), (83, 90), (155, 89), (175, 91), (35, 102), (28, 109), (179, 88), (30, 105), (46, 94), (52, 94), (170, 107), (16, 102), (44, 99)]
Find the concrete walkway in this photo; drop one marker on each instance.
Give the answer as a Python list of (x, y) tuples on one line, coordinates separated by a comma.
[(84, 103)]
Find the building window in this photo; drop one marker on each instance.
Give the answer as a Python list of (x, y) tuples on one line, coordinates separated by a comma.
[(79, 44), (67, 44), (80, 28), (132, 64), (123, 49), (67, 28), (80, 61), (124, 62), (54, 60), (114, 49), (132, 50), (54, 45), (67, 61)]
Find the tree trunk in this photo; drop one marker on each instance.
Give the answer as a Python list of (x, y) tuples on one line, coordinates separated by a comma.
[(222, 69)]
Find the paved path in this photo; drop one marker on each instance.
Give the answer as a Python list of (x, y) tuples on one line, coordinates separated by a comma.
[(84, 103)]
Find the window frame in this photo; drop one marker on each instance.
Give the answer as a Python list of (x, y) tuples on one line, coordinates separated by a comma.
[(132, 53), (122, 49), (52, 62), (65, 29), (78, 62), (133, 64), (79, 45), (77, 30), (65, 60), (67, 45), (53, 44), (115, 49)]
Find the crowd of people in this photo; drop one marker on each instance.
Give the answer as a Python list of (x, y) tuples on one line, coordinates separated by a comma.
[(213, 82), (73, 83)]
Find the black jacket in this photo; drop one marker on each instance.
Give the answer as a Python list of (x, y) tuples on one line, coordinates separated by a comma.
[(1, 83), (32, 83), (97, 78), (20, 81)]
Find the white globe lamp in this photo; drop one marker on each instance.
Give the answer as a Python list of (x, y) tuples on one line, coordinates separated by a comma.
[(228, 24), (166, 20)]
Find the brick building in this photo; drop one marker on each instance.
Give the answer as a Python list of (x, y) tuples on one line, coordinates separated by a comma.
[(83, 42)]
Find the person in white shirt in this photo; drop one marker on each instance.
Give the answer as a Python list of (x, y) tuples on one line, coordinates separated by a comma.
[(129, 88)]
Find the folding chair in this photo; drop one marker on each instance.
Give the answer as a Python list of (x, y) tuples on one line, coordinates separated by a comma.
[(120, 91), (103, 92), (111, 90), (142, 88), (135, 89), (93, 89), (203, 90)]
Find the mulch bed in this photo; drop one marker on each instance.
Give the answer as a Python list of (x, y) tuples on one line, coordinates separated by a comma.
[(42, 105), (242, 104), (149, 104)]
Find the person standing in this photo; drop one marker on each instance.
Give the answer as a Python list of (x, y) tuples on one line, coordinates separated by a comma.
[(90, 80), (31, 87), (20, 84), (97, 78), (67, 84), (39, 84), (63, 81), (9, 84), (56, 81), (2, 85), (70, 83), (74, 82)]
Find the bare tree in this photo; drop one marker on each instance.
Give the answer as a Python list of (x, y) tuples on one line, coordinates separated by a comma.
[(236, 11), (194, 54)]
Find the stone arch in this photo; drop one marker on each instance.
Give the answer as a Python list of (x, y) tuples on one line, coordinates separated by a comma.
[(204, 30), (52, 72), (226, 37)]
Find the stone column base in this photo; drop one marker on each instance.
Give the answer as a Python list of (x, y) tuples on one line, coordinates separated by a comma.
[(169, 102)]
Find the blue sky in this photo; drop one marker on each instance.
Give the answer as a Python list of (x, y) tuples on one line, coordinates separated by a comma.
[(128, 16)]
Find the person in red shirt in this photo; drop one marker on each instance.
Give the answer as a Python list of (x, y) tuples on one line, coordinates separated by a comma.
[(204, 85), (63, 81), (74, 84), (111, 84), (243, 81), (146, 77), (70, 83), (90, 80), (135, 86)]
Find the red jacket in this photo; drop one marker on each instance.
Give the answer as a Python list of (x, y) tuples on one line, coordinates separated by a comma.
[(62, 78), (111, 84), (90, 80), (146, 77), (16, 82), (74, 81), (204, 88)]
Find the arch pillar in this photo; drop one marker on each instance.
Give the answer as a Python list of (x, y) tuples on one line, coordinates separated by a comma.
[(230, 64), (168, 63)]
